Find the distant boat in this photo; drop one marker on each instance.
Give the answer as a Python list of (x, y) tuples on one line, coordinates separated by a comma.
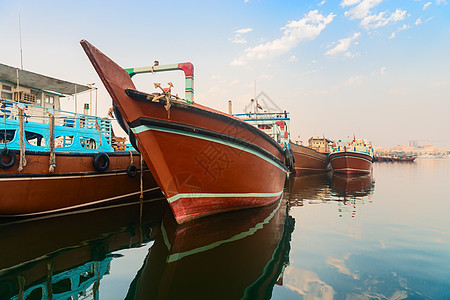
[(354, 158), (53, 160), (404, 158), (312, 159), (205, 161)]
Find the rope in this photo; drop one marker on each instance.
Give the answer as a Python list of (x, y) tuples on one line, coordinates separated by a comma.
[(141, 197), (99, 134), (131, 157), (52, 160), (21, 281), (22, 159)]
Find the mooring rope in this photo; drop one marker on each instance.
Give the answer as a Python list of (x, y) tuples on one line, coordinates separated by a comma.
[(141, 197), (22, 159), (52, 160)]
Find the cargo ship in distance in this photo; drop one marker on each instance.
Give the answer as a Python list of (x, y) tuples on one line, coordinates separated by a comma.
[(204, 161)]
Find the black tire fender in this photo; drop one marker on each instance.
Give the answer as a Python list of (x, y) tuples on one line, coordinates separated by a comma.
[(12, 158), (101, 162), (132, 170)]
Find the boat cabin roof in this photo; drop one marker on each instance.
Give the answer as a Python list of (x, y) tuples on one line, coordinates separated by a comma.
[(41, 82)]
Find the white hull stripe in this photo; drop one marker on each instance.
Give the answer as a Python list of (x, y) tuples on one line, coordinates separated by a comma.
[(353, 157), (251, 231), (350, 169), (223, 195), (142, 128)]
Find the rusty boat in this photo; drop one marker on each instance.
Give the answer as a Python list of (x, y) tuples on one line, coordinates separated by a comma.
[(204, 161)]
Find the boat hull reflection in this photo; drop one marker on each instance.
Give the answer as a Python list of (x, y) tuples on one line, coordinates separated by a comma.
[(199, 259), (56, 256)]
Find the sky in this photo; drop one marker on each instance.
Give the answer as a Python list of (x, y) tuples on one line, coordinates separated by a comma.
[(376, 69)]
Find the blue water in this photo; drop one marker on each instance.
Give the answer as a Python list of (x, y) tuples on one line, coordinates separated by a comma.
[(385, 236)]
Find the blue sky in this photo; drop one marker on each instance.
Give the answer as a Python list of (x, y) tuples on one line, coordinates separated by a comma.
[(379, 69)]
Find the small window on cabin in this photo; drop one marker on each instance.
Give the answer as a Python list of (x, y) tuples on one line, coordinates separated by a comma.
[(6, 87), (8, 136), (35, 139), (6, 95), (88, 143), (64, 141), (49, 99)]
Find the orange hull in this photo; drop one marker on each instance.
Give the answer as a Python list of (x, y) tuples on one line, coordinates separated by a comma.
[(308, 160), (205, 162), (348, 162), (74, 184)]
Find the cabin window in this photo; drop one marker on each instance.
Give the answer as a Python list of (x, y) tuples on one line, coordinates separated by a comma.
[(35, 139), (64, 141), (6, 95), (6, 87), (9, 136), (49, 99), (88, 143)]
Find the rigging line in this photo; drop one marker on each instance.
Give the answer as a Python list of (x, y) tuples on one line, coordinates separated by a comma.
[(20, 38)]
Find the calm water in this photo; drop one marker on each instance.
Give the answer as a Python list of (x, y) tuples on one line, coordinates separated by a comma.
[(381, 237)]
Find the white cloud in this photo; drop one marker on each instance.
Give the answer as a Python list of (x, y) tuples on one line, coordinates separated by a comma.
[(403, 27), (293, 58), (353, 81), (362, 11), (441, 83), (345, 3), (383, 70), (438, 2), (419, 21), (376, 21), (343, 45), (307, 28), (244, 30), (322, 3), (238, 38), (426, 5)]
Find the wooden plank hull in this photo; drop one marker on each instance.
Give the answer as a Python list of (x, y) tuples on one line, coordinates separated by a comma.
[(205, 162), (348, 162), (308, 160), (74, 184)]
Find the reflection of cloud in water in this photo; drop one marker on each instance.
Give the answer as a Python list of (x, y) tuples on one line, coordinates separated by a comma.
[(307, 283), (340, 265)]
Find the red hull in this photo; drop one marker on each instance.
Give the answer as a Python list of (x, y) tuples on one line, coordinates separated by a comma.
[(351, 162), (74, 184), (308, 160), (204, 161)]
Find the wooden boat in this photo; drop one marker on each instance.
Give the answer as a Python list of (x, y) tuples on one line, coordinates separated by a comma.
[(403, 158), (53, 160), (354, 158), (198, 259), (274, 124), (204, 161), (64, 255), (308, 160)]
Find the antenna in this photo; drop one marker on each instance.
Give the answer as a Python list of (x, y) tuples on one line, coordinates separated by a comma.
[(20, 38)]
